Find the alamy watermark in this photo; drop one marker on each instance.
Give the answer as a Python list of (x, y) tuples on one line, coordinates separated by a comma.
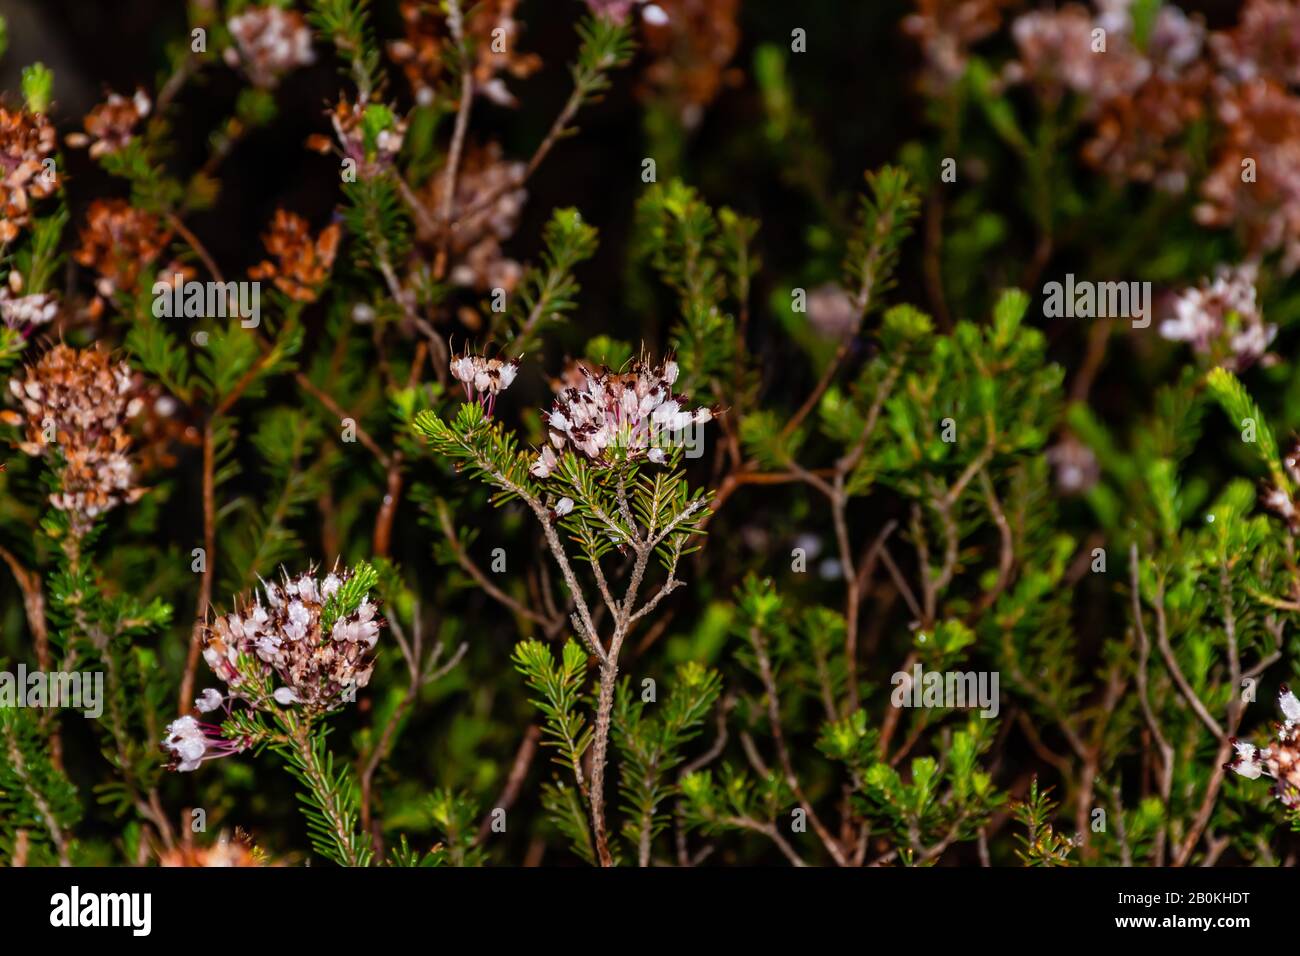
[(79, 690), (181, 298), (950, 689), (1098, 300)]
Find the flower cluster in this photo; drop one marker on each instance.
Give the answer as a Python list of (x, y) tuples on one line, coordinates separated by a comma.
[(110, 126), (304, 263), (691, 42), (1261, 122), (484, 379), (19, 311), (1279, 500), (190, 741), (1222, 319), (946, 30), (78, 401), (483, 223), (303, 638), (269, 42), (1280, 759), (493, 32), (26, 141), (119, 242), (611, 417)]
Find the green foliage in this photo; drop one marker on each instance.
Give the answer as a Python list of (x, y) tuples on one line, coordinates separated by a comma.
[(549, 292), (651, 747), (36, 797), (559, 685)]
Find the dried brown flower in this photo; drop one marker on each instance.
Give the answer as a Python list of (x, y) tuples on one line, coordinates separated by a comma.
[(946, 30), (1265, 43), (1261, 132), (119, 242), (491, 28), (476, 240), (110, 126), (1057, 55), (692, 41), (304, 263), (77, 402), (26, 141)]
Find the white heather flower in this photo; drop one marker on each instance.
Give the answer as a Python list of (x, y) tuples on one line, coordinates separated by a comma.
[(1280, 760), (563, 506), (189, 742), (17, 311), (208, 701), (610, 417), (1290, 705), (654, 15), (269, 42), (1221, 317), (285, 640), (484, 379), (544, 464)]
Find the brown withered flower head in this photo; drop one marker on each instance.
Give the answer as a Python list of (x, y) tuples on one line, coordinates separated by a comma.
[(111, 125), (26, 141), (303, 263), (161, 426), (692, 42), (475, 245), (1264, 44), (946, 30), (76, 403), (1140, 135), (119, 242), (302, 642), (1056, 55), (1260, 124), (269, 42), (493, 32)]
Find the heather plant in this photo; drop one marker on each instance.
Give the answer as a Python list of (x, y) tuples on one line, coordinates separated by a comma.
[(938, 512)]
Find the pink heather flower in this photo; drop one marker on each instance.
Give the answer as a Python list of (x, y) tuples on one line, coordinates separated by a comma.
[(284, 641), (1222, 316), (190, 742), (1076, 466), (563, 507), (25, 311), (611, 417), (484, 379), (1056, 54), (269, 42), (209, 701), (1280, 760)]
